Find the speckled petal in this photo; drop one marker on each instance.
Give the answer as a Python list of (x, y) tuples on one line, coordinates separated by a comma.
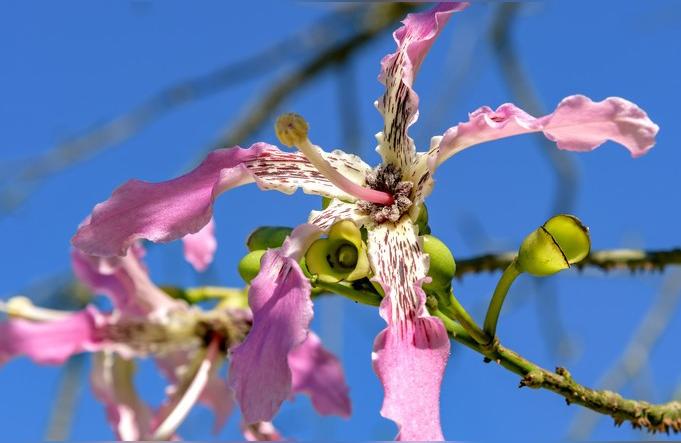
[(399, 104), (170, 210), (410, 355)]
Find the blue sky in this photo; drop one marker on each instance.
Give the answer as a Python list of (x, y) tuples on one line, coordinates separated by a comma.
[(67, 66)]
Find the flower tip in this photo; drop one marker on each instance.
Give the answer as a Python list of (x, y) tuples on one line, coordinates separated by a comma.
[(291, 129)]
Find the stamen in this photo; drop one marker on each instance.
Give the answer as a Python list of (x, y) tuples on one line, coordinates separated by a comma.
[(292, 129)]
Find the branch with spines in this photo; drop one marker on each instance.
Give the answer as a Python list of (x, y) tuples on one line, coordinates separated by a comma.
[(606, 260)]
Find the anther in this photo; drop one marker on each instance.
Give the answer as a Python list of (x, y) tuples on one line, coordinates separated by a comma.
[(292, 129)]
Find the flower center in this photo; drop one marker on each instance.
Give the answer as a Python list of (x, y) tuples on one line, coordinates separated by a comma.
[(388, 178), (347, 256)]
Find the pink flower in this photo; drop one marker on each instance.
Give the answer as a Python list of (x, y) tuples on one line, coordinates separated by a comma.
[(188, 345), (411, 353)]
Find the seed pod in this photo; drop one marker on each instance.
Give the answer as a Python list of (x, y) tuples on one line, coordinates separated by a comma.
[(562, 241)]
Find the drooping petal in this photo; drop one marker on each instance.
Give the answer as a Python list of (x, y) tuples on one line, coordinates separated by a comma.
[(399, 104), (112, 384), (318, 373), (53, 341), (170, 210), (280, 300), (260, 431), (410, 355), (577, 124), (125, 280), (199, 248)]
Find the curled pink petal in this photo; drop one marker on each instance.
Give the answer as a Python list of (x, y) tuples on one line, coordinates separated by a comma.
[(199, 248), (410, 355), (282, 310), (125, 280), (170, 210), (318, 373), (399, 104), (577, 124), (53, 341), (113, 385)]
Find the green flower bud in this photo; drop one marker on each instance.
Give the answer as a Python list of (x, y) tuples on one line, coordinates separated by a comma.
[(442, 265), (267, 237), (562, 241), (341, 256), (422, 221), (249, 266)]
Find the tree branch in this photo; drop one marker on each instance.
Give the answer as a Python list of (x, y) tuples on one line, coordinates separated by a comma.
[(665, 417), (605, 260)]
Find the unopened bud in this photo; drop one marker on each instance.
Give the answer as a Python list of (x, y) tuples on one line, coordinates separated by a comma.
[(249, 266), (562, 241), (442, 265), (291, 129)]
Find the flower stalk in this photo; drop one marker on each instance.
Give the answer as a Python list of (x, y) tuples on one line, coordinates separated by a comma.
[(497, 302)]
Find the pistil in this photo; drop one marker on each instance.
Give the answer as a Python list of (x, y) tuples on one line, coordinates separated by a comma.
[(292, 130)]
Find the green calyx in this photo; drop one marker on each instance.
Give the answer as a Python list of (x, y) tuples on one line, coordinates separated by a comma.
[(341, 256), (267, 237), (422, 221), (560, 242), (442, 266)]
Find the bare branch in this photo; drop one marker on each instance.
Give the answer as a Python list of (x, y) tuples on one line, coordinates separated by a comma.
[(605, 260)]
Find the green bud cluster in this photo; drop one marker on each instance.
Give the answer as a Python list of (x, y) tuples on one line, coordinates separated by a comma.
[(260, 240), (442, 267)]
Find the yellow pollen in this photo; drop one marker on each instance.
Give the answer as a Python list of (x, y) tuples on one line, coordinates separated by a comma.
[(291, 129)]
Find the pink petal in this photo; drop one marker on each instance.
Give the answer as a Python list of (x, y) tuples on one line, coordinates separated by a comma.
[(200, 247), (112, 384), (282, 310), (125, 280), (318, 373), (399, 104), (54, 341), (577, 124), (170, 210), (261, 431), (410, 355)]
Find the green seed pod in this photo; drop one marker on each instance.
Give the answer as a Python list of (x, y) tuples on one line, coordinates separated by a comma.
[(442, 265), (422, 221), (249, 266), (562, 241), (341, 256), (267, 237)]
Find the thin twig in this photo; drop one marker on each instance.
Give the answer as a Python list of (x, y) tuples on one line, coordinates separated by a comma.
[(635, 356), (606, 260), (64, 406)]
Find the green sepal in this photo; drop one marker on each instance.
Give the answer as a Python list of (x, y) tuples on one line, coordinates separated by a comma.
[(422, 221), (267, 237), (341, 256)]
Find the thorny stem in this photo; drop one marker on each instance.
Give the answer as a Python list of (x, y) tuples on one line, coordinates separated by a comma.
[(606, 260), (664, 417), (497, 302)]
